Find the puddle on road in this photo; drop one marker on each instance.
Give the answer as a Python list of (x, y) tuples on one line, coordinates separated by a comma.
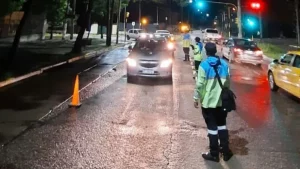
[(237, 143)]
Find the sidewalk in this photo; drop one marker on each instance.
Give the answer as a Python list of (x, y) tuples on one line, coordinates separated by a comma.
[(32, 56)]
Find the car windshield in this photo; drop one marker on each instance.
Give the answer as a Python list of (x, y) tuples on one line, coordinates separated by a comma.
[(162, 31), (245, 43), (140, 31), (150, 45), (211, 31)]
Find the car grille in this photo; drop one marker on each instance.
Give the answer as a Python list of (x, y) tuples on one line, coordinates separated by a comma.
[(149, 64)]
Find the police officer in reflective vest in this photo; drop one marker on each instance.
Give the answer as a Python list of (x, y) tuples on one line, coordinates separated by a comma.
[(208, 92), (197, 53), (186, 42)]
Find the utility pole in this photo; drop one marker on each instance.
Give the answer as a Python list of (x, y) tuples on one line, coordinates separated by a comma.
[(297, 20), (229, 21), (140, 14), (181, 19), (260, 24), (73, 19), (157, 15), (125, 22), (239, 16)]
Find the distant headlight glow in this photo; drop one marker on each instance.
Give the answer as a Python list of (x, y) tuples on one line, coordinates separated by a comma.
[(151, 36), (143, 35), (166, 63), (131, 62), (170, 46)]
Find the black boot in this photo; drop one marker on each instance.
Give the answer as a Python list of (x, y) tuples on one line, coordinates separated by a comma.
[(213, 154), (224, 145), (185, 58)]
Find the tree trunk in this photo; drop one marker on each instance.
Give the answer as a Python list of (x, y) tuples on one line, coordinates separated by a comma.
[(118, 21), (108, 43), (77, 46), (111, 19), (12, 53), (101, 30), (51, 33)]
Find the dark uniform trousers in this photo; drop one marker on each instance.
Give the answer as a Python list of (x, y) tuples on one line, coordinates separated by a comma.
[(215, 119), (186, 53)]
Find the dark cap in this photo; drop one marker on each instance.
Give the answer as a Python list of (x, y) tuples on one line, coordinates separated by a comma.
[(211, 48)]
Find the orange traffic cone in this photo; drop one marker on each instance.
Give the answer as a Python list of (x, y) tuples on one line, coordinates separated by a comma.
[(75, 99)]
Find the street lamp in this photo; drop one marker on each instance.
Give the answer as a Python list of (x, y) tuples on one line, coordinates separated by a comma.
[(207, 15), (144, 21)]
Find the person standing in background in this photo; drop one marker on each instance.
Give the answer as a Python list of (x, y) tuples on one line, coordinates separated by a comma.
[(186, 42)]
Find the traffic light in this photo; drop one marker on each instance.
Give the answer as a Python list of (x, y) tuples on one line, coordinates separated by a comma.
[(255, 5), (200, 4)]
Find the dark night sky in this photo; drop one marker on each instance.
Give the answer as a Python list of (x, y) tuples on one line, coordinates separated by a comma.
[(278, 15)]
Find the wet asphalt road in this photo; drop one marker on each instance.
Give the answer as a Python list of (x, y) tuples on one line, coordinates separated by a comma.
[(154, 125), (26, 102)]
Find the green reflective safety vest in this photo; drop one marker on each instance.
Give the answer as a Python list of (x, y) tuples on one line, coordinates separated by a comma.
[(197, 53), (186, 40)]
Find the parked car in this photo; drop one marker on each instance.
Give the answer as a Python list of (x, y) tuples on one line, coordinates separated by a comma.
[(211, 35), (285, 73), (138, 33), (242, 51), (151, 58)]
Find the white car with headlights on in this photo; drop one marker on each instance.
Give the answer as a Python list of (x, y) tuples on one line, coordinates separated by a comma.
[(150, 58), (137, 34)]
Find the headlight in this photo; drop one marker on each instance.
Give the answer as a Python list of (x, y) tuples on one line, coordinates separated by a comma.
[(166, 63), (143, 36), (258, 52), (151, 36), (131, 62), (170, 46)]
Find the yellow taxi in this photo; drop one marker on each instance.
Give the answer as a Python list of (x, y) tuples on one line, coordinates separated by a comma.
[(285, 73)]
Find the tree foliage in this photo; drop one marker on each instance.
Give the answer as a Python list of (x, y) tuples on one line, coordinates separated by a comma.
[(9, 6), (56, 11)]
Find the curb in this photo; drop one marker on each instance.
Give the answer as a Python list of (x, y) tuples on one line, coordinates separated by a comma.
[(38, 72)]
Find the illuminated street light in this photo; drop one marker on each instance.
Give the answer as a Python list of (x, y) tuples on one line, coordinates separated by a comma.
[(198, 10), (144, 21), (215, 23), (200, 4), (190, 1), (207, 15), (233, 9)]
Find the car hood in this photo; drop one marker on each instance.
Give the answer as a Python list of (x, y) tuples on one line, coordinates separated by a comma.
[(147, 55)]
